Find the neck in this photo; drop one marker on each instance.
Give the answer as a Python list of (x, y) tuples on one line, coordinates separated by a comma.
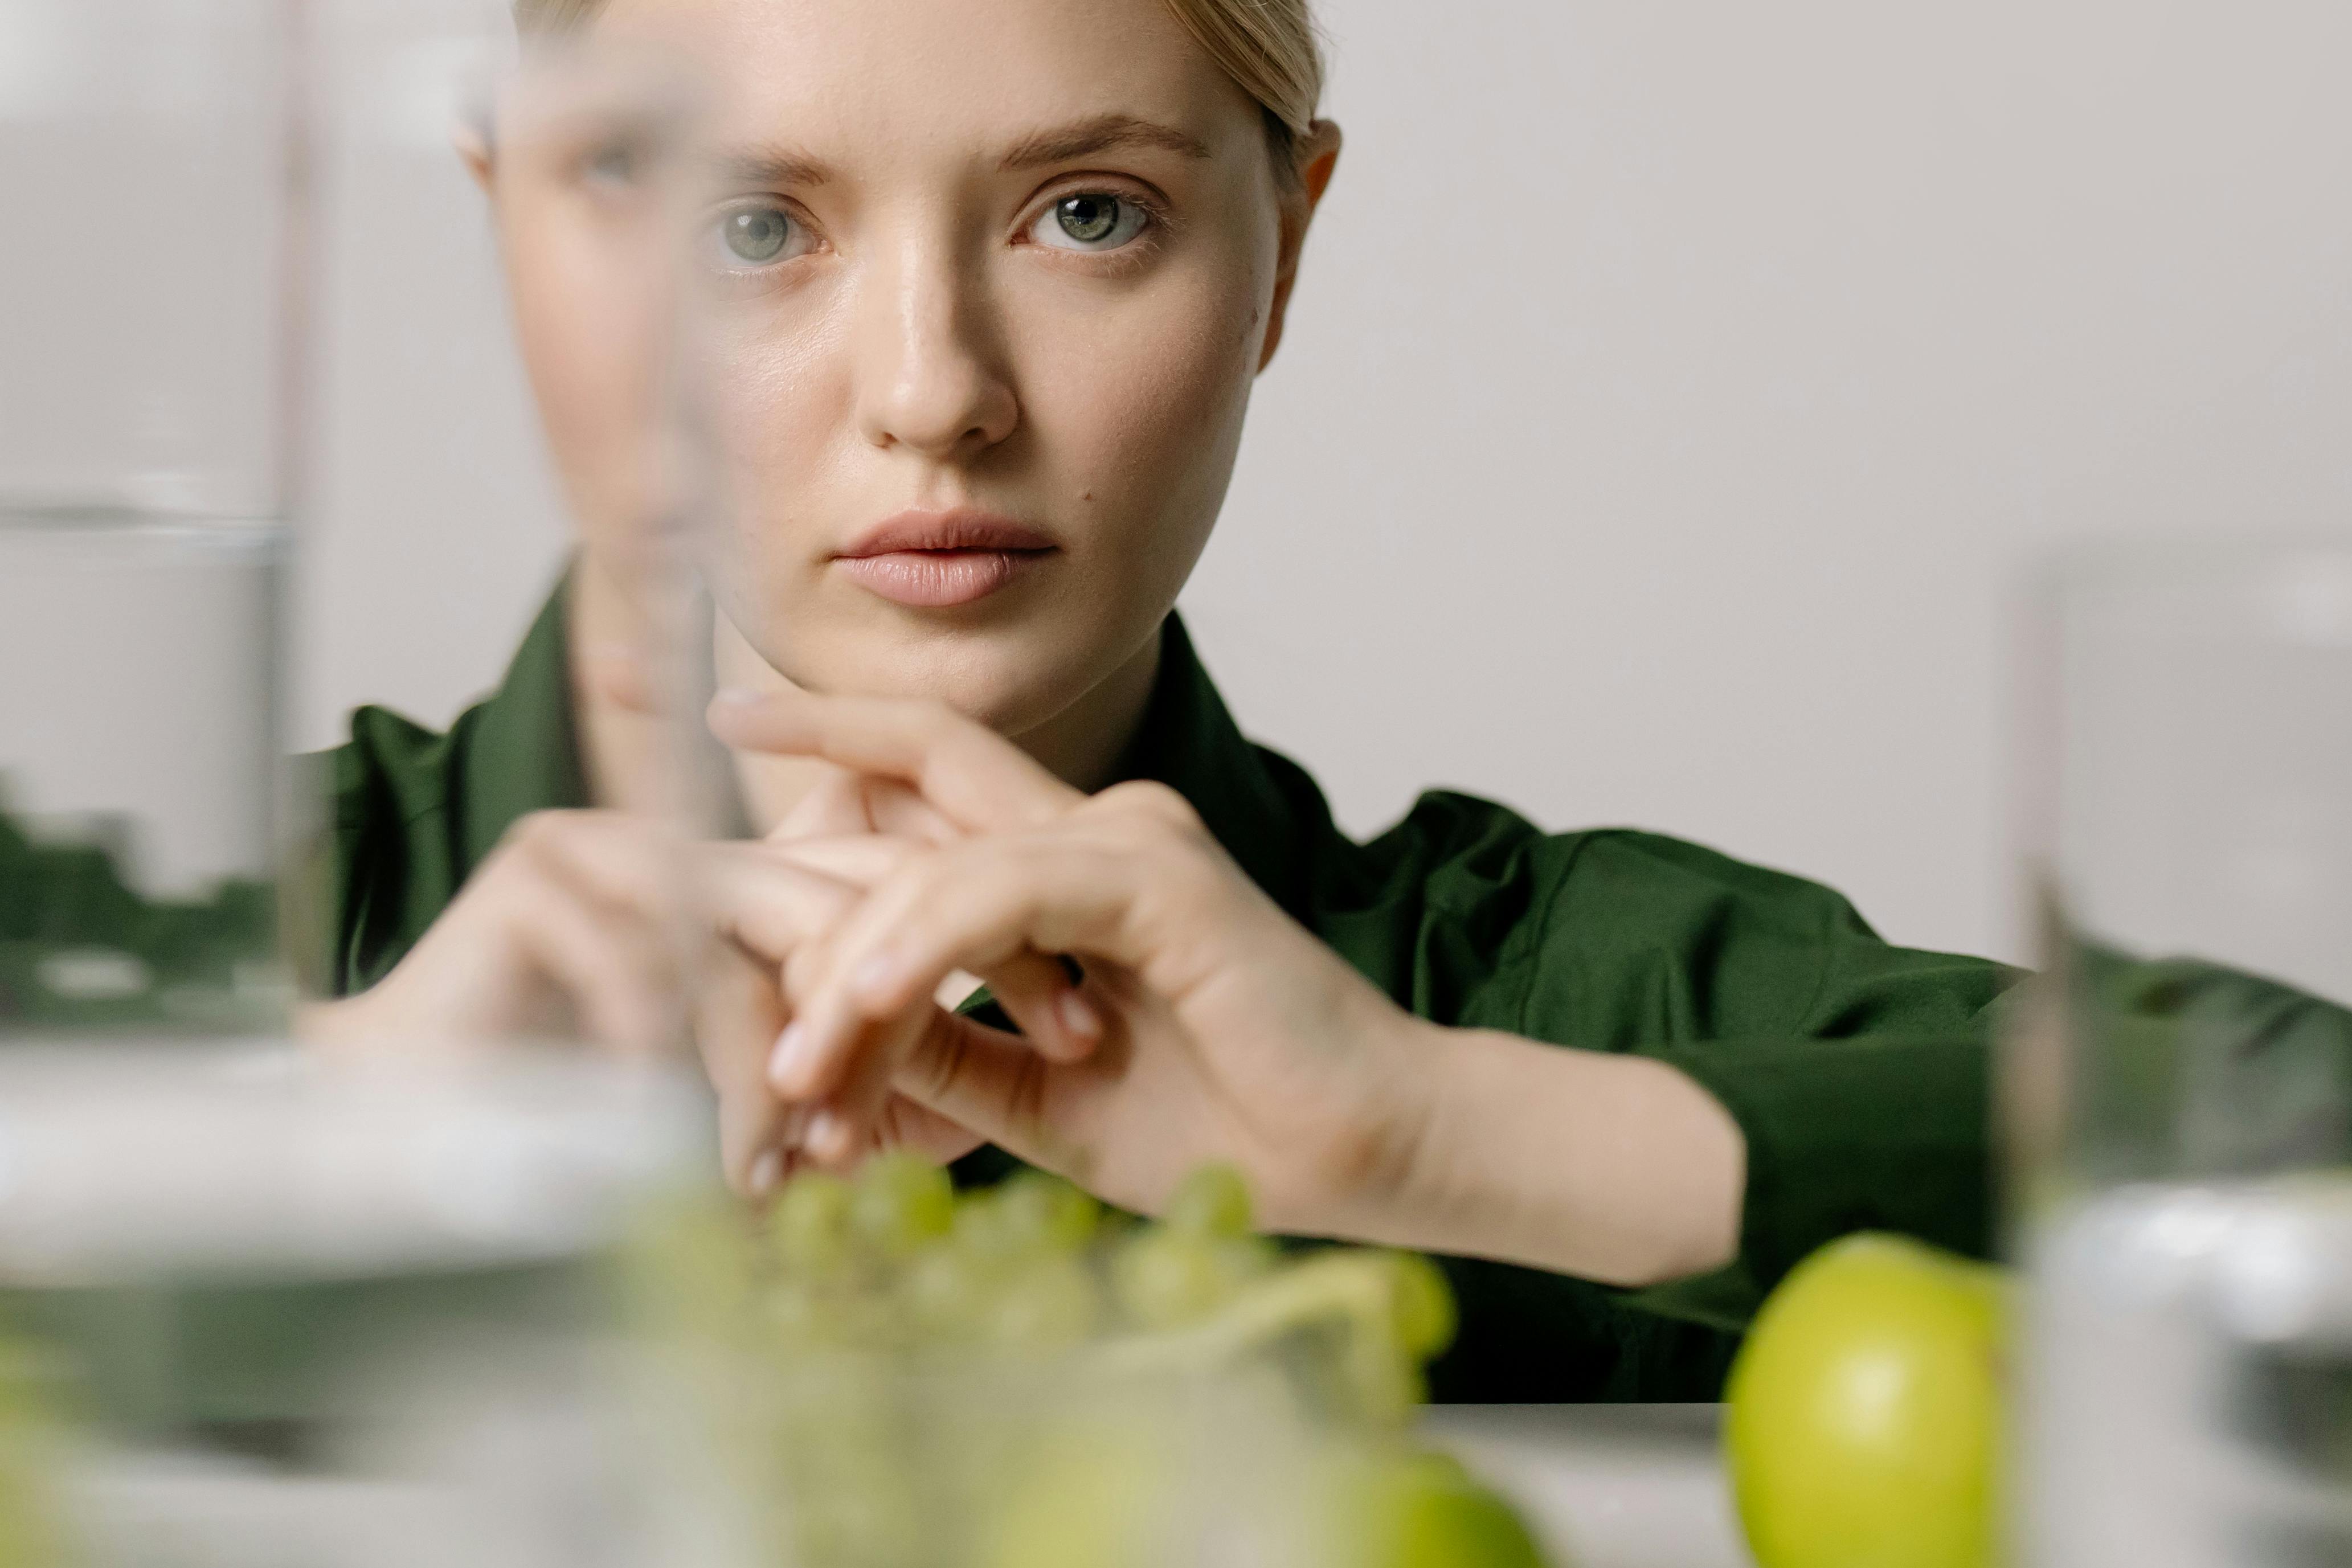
[(622, 738), (615, 678)]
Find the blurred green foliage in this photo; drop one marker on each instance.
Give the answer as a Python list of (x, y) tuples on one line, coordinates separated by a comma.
[(81, 951)]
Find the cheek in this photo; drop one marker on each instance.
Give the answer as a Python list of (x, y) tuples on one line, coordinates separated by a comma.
[(779, 395), (1141, 404), (593, 355)]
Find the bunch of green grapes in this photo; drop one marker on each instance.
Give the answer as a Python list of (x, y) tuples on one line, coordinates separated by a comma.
[(896, 1261), (854, 1290)]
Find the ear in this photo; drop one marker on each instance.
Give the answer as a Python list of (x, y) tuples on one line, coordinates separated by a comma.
[(472, 143), (1318, 159)]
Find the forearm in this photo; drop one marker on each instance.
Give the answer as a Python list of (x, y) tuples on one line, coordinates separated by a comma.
[(1610, 1167)]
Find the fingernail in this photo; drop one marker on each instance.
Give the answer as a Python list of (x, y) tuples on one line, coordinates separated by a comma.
[(1078, 1016), (824, 1131), (785, 1064), (767, 1171)]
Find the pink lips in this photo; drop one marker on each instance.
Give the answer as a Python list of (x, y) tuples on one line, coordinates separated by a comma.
[(936, 561)]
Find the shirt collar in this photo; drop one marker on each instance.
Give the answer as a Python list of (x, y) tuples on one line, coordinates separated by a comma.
[(1189, 742), (524, 753)]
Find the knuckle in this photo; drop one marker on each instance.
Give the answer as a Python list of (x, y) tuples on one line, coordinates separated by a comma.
[(1152, 801), (538, 832), (550, 836), (804, 971)]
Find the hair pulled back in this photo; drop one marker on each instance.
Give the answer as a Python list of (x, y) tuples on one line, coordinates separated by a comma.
[(1268, 46)]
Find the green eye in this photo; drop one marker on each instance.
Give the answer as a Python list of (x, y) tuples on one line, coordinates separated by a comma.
[(756, 235), (1091, 220)]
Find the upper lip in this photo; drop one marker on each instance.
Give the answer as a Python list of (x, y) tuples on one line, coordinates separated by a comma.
[(962, 528)]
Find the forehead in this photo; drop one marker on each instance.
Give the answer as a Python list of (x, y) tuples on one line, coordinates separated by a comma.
[(847, 78)]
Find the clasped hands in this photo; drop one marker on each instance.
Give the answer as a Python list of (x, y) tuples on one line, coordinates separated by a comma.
[(1169, 1013)]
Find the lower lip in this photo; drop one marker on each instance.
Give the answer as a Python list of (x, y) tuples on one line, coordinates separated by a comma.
[(939, 579)]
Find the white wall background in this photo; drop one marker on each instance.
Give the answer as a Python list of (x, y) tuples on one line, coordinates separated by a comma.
[(1675, 394)]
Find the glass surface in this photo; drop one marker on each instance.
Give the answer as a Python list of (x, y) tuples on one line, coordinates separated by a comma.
[(138, 662), (147, 293), (2180, 1087), (276, 1307), (259, 1305)]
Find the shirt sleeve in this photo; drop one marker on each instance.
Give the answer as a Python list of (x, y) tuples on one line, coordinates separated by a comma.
[(1857, 1071)]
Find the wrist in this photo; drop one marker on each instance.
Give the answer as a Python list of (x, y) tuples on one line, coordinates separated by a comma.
[(1385, 1179), (1612, 1168)]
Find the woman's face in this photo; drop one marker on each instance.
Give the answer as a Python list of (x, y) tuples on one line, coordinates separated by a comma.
[(986, 285)]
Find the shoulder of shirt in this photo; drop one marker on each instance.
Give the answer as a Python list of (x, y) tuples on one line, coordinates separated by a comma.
[(396, 791), (394, 771), (1447, 832)]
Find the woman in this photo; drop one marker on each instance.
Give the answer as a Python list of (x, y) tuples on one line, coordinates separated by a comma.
[(988, 339)]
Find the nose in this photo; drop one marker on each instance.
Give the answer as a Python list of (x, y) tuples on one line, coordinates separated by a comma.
[(932, 377)]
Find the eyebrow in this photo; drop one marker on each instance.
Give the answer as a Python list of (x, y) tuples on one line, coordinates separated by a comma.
[(1103, 133), (776, 163), (771, 164)]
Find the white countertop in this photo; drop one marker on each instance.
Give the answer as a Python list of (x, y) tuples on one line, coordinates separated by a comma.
[(1605, 1486)]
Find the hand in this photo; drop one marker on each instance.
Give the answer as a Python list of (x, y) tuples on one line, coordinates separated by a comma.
[(589, 924), (1210, 1025), (842, 812)]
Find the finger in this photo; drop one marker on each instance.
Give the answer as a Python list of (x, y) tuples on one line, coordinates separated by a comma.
[(846, 804), (849, 1121), (976, 779), (861, 861), (991, 899), (906, 1124), (619, 973), (833, 806), (812, 1064), (770, 904), (994, 1087), (623, 863), (1051, 1010), (1035, 990), (899, 810), (738, 1014)]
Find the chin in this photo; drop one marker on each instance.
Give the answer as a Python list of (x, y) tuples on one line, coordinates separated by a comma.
[(1011, 678)]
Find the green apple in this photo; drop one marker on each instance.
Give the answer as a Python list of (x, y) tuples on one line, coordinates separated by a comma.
[(32, 1439), (1407, 1508), (1865, 1411)]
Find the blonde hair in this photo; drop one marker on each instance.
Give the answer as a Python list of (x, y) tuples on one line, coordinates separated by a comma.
[(1269, 47)]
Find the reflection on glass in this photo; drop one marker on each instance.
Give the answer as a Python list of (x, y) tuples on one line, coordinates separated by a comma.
[(2180, 1094), (141, 493), (259, 1304)]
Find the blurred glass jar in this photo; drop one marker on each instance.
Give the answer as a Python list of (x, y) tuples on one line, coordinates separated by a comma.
[(2179, 1089), (284, 1308), (143, 460)]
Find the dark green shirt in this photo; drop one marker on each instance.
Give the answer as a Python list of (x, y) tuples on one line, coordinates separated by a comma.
[(1856, 1070)]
